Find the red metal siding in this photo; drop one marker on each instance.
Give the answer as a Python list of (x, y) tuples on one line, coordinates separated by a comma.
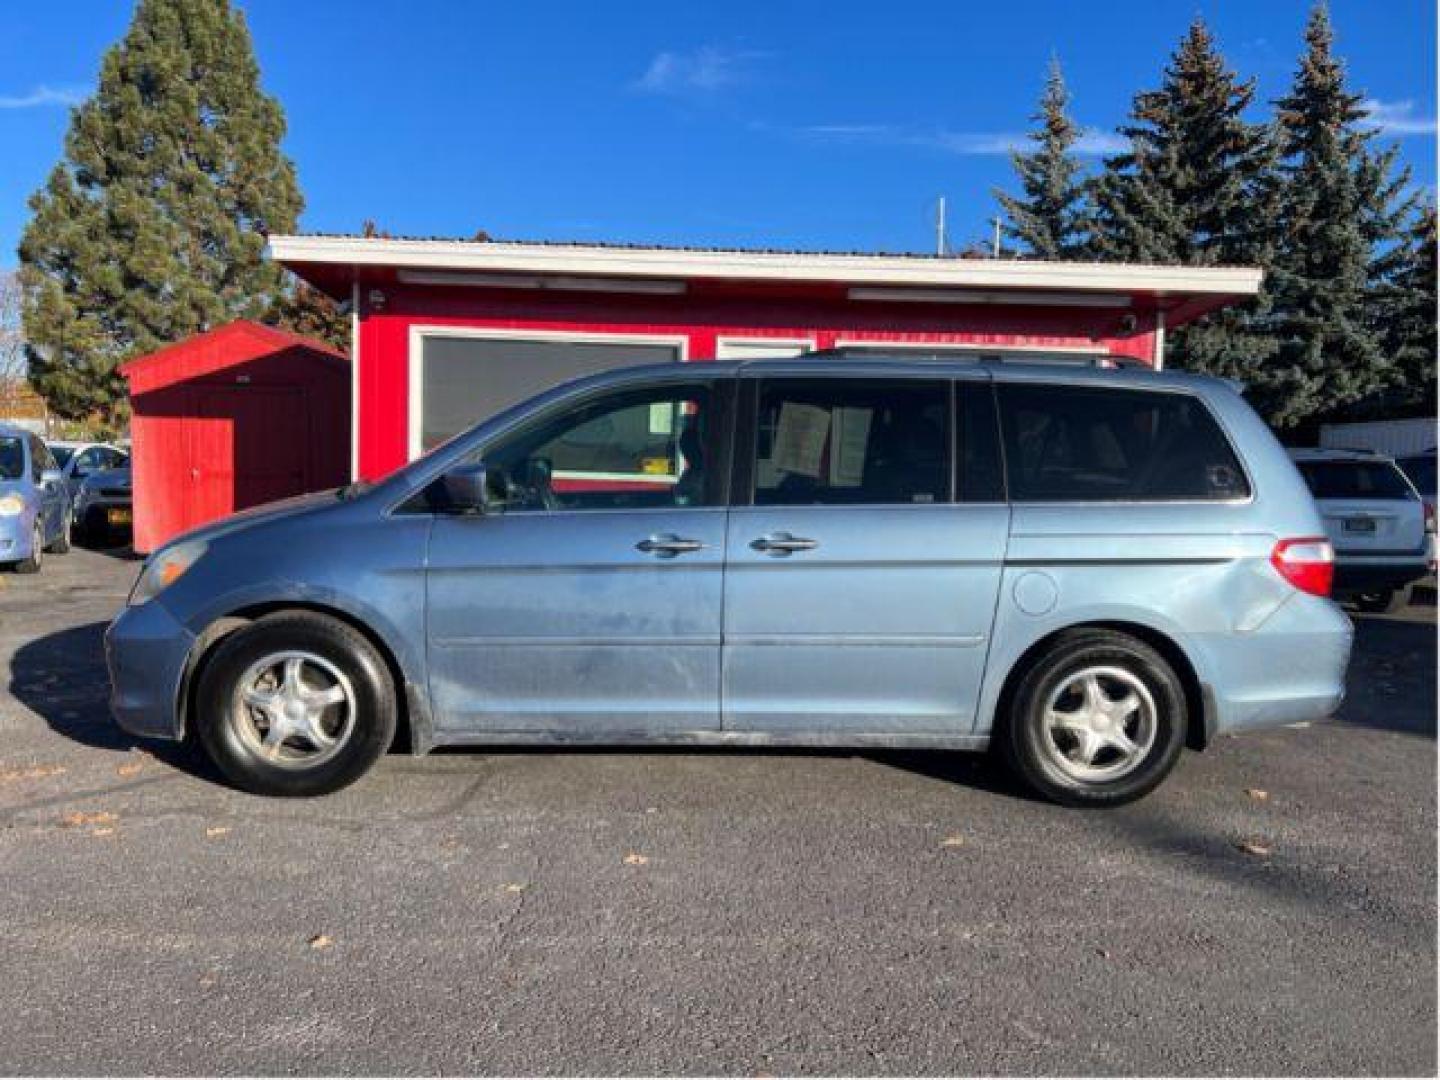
[(702, 317), (239, 416)]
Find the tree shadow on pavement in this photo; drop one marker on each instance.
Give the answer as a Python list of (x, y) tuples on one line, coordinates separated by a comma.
[(61, 677)]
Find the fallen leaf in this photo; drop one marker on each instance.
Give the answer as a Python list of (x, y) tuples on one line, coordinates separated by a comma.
[(104, 830), (1258, 794), (321, 941), (77, 819), (514, 887), (128, 770), (636, 859), (34, 772), (1254, 847), (953, 841), (217, 830), (1104, 954)]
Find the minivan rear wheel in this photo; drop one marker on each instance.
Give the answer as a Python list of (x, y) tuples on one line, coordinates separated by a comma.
[(296, 703), (1098, 720)]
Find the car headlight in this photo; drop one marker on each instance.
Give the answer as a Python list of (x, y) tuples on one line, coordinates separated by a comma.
[(11, 506), (164, 568)]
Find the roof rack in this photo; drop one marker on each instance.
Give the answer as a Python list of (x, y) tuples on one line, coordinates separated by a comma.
[(978, 356)]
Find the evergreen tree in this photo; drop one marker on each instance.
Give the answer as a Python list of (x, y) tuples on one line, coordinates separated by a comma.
[(1340, 237), (151, 227), (1407, 318), (307, 311), (1195, 187), (1048, 219)]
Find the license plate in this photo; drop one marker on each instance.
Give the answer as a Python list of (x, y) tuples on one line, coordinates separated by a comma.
[(1359, 525), (118, 517)]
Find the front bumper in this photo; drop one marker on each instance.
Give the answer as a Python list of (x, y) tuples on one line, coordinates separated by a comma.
[(146, 651), (15, 536)]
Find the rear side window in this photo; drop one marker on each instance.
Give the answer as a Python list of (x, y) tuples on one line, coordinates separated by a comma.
[(852, 442), (1076, 444), (1355, 480)]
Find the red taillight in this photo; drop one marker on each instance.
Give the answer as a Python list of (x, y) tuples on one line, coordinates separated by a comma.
[(1308, 563)]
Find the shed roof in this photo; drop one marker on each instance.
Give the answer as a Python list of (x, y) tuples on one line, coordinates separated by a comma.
[(333, 262), (232, 343)]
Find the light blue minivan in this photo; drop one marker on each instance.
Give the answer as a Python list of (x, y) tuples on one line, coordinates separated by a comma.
[(1086, 569), (34, 503)]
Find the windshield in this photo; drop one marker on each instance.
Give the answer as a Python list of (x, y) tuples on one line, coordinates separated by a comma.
[(12, 458), (62, 454), (1355, 480)]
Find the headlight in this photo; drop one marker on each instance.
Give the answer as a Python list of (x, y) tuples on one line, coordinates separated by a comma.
[(164, 568), (11, 506)]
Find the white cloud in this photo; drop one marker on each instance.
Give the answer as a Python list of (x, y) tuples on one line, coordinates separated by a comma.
[(704, 71), (1397, 118), (42, 96), (1092, 141)]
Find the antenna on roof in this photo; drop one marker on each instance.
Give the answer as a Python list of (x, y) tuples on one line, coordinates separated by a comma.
[(996, 252), (940, 227)]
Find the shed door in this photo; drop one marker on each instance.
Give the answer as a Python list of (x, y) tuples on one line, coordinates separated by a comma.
[(246, 445)]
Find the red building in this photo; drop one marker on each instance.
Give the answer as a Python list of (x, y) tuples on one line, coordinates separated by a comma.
[(450, 331), (238, 416)]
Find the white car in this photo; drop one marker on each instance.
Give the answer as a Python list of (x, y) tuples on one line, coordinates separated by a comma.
[(1383, 532)]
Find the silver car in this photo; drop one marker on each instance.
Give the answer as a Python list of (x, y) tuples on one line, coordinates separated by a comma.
[(1086, 570), (1383, 532), (34, 508)]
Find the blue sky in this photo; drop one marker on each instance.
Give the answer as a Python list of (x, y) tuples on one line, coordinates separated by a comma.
[(813, 125)]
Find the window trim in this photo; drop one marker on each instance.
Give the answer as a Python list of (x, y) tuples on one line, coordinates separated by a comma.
[(1198, 399), (415, 359), (747, 435)]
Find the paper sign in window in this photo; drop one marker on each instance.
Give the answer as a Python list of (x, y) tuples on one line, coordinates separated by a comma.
[(800, 439), (850, 435), (662, 417)]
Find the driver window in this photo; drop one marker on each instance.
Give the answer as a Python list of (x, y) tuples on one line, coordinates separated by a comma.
[(640, 449)]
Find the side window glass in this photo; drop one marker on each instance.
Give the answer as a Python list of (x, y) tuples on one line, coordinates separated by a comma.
[(1077, 444), (89, 461), (642, 449), (852, 442), (38, 457)]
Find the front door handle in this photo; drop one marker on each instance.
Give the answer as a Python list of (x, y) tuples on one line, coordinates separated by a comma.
[(782, 543), (667, 545)]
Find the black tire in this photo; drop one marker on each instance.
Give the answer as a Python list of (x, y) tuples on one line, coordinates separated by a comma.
[(220, 727), (1024, 739), (61, 546), (37, 553), (1384, 602)]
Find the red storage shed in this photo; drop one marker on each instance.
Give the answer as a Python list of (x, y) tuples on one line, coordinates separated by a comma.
[(238, 416)]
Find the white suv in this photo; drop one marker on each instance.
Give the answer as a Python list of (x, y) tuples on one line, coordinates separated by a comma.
[(1382, 531)]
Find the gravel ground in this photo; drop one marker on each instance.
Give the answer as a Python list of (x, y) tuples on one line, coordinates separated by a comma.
[(717, 912)]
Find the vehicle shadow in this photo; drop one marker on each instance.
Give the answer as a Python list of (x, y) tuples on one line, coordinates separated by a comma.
[(61, 677)]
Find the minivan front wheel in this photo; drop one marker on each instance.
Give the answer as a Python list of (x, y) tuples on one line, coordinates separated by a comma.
[(295, 703), (1098, 720)]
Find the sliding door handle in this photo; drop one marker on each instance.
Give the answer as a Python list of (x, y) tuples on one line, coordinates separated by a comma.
[(668, 545), (782, 543)]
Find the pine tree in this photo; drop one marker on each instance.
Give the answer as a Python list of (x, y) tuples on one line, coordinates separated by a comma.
[(307, 311), (1340, 224), (151, 227), (1048, 219), (1195, 187), (1407, 318)]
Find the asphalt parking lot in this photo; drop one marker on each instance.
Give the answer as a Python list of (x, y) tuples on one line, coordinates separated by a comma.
[(1272, 909)]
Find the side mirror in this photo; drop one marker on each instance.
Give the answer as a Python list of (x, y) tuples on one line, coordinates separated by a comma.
[(469, 489)]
